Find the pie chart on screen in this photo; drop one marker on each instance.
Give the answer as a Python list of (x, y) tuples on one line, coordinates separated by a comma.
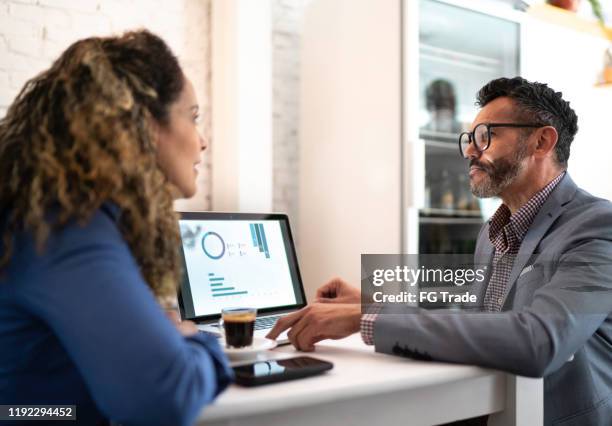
[(213, 245)]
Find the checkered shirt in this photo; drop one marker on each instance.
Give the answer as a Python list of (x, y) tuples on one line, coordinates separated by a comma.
[(506, 232), (367, 325)]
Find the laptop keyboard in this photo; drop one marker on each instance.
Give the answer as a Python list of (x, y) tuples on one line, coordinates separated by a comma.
[(265, 322)]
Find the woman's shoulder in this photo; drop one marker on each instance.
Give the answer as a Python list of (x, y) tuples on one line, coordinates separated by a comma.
[(75, 258), (100, 233), (100, 229)]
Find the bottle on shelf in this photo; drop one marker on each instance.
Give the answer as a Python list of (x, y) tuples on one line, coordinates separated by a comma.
[(463, 193), (474, 205), (447, 198), (427, 195)]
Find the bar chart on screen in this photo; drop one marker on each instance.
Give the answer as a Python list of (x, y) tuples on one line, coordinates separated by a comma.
[(220, 288), (258, 235), (236, 262)]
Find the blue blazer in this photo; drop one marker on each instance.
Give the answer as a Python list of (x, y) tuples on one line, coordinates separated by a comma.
[(79, 326)]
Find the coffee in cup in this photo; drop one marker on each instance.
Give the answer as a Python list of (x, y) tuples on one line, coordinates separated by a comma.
[(239, 326)]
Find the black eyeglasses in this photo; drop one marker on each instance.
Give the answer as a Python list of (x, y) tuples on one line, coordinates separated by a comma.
[(481, 135)]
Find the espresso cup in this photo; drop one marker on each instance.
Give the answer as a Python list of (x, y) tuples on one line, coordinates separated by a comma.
[(238, 325)]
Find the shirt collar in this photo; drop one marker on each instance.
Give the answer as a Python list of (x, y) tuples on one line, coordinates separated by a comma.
[(522, 219)]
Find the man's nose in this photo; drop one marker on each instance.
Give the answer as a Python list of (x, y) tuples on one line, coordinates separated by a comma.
[(471, 151)]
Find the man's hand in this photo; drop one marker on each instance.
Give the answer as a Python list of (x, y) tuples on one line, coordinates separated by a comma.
[(338, 291), (186, 328), (318, 321)]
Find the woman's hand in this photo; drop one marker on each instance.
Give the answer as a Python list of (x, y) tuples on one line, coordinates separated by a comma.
[(186, 328), (338, 291)]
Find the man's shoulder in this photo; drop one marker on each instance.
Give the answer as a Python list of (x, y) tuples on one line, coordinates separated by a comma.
[(584, 218), (587, 206)]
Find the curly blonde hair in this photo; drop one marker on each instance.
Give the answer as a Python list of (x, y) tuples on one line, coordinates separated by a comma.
[(80, 135)]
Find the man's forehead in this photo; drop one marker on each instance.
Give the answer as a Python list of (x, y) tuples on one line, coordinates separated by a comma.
[(501, 110)]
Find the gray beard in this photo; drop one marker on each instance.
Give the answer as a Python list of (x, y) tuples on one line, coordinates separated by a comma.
[(492, 188), (500, 175)]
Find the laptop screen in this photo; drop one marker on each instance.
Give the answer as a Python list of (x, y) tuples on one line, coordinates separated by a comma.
[(237, 260)]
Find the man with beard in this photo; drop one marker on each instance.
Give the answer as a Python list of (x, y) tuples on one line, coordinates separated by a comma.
[(547, 302)]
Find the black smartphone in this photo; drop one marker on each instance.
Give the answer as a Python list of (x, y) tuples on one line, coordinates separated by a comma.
[(264, 372)]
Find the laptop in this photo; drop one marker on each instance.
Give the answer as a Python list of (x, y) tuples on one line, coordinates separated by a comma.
[(238, 260)]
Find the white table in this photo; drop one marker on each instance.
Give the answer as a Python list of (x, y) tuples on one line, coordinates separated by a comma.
[(367, 388)]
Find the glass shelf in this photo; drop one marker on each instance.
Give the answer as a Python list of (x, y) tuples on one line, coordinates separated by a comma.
[(434, 136), (457, 59), (457, 56), (426, 212), (451, 220)]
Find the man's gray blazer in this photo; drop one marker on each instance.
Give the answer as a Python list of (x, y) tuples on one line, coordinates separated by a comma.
[(557, 312)]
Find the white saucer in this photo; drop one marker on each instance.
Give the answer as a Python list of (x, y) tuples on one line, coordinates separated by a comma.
[(259, 345)]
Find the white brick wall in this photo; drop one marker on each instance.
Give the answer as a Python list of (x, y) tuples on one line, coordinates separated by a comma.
[(286, 33), (35, 32)]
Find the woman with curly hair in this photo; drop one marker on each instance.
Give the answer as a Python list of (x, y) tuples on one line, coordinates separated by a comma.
[(92, 153)]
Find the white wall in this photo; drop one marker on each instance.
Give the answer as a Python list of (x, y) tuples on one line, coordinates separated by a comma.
[(287, 16), (570, 61), (242, 111), (350, 137), (34, 32)]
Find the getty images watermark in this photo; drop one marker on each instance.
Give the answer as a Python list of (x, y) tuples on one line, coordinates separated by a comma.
[(458, 282)]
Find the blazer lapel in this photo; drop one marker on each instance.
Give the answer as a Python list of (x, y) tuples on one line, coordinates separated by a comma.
[(550, 211), (483, 254), (483, 258)]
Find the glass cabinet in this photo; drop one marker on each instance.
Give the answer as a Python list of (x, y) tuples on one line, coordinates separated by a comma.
[(460, 50)]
